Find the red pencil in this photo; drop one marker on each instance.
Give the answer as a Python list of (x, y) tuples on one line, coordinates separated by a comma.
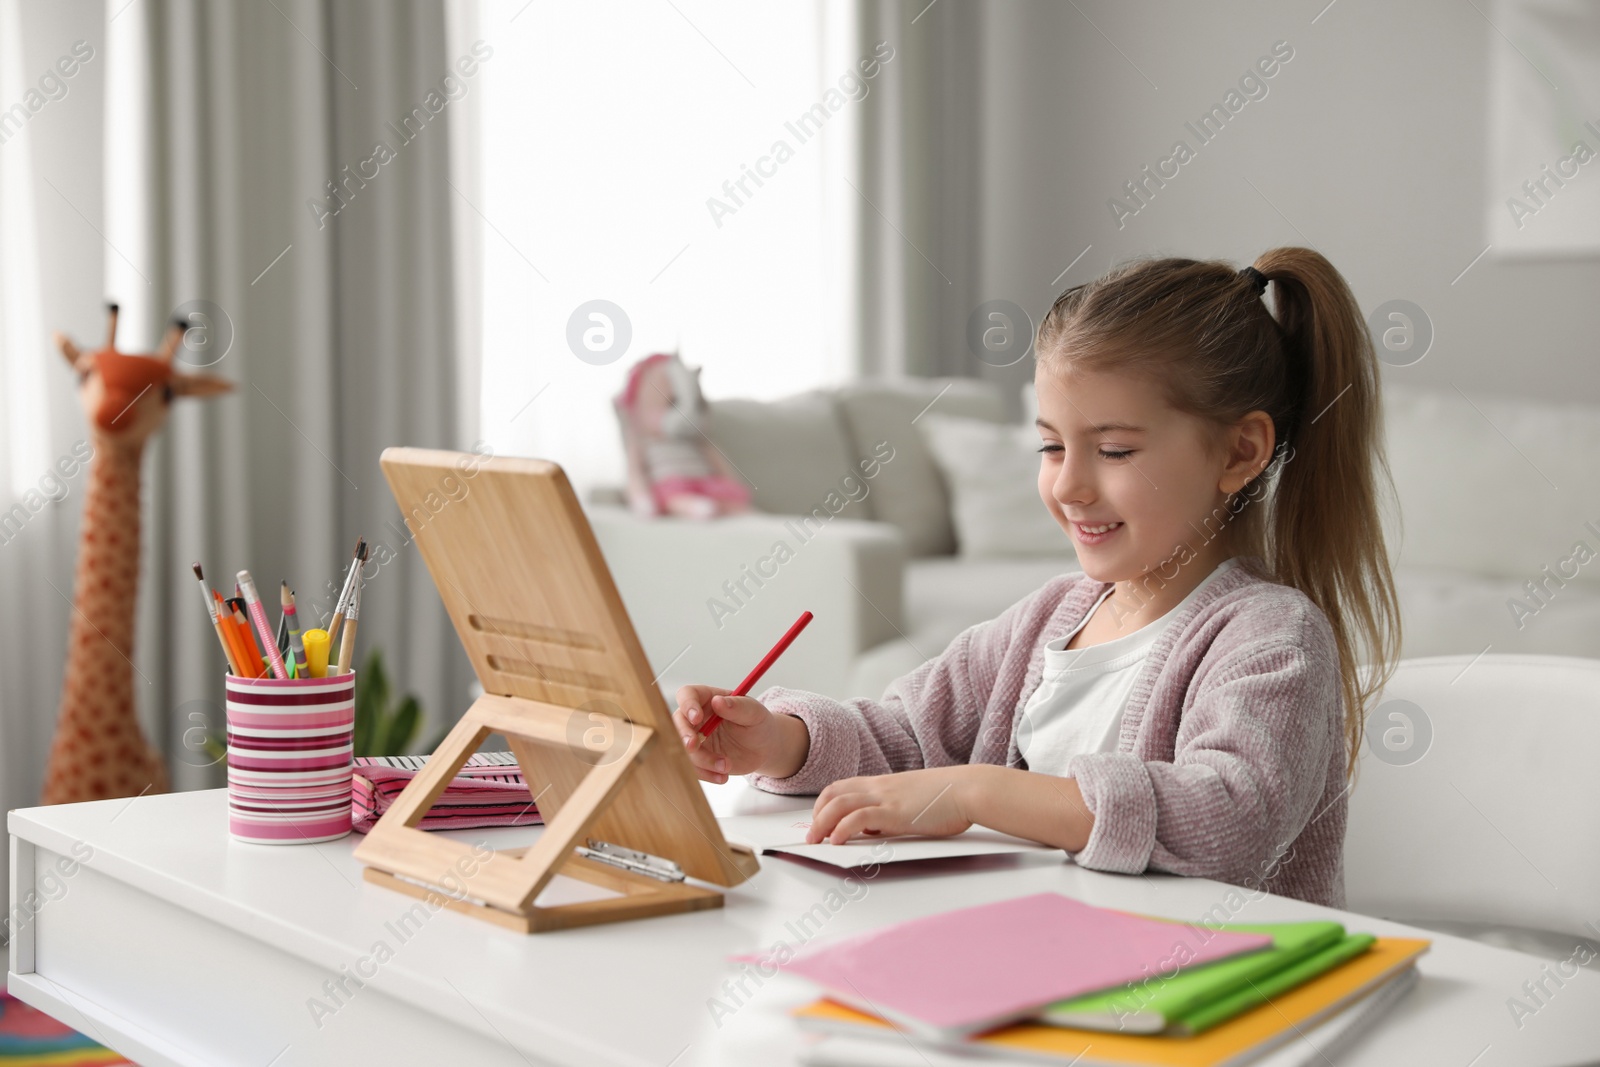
[(761, 668)]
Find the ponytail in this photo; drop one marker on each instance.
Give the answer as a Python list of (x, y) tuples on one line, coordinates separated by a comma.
[(1325, 534)]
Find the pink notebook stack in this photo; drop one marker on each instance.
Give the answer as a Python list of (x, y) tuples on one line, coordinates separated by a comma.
[(488, 791), (960, 972)]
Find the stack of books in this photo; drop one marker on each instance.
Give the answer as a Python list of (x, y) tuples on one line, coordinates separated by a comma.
[(1045, 977)]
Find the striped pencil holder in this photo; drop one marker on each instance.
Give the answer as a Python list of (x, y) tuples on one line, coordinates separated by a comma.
[(289, 758)]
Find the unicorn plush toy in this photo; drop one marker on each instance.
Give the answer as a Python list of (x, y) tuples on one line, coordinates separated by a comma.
[(673, 468)]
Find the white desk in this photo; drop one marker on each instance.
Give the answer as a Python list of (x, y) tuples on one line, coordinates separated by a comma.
[(177, 946)]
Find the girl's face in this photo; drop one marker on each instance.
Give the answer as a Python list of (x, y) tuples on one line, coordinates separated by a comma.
[(1114, 453)]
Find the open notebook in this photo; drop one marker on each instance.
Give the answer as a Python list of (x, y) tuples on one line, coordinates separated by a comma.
[(784, 832)]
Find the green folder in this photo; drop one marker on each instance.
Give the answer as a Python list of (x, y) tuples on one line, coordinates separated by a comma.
[(1198, 998), (1260, 990)]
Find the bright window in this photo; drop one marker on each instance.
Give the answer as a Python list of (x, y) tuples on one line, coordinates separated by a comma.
[(24, 359), (605, 130)]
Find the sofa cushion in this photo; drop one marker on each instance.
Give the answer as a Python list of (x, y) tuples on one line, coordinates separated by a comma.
[(909, 490), (991, 471), (1447, 612), (943, 596), (794, 452), (1493, 486)]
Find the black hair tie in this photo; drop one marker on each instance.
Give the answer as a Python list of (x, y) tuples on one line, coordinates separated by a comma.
[(1257, 277)]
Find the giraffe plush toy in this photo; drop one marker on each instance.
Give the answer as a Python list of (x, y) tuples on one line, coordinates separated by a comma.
[(99, 751)]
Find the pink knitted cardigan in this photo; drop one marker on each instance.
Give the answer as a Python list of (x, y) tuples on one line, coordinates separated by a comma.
[(1230, 763)]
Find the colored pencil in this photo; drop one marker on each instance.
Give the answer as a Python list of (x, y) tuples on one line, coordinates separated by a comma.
[(254, 651), (286, 597), (761, 668), (216, 620), (230, 634), (252, 658), (258, 615), (244, 646), (283, 637)]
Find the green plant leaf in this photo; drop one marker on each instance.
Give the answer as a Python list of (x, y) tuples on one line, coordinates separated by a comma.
[(402, 727), (433, 746), (372, 702), (216, 746), (380, 731), (361, 736), (374, 681)]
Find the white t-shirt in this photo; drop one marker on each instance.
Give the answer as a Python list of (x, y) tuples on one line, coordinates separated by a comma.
[(1078, 704)]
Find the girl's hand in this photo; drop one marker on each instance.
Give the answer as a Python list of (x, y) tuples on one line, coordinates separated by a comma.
[(750, 738), (928, 802)]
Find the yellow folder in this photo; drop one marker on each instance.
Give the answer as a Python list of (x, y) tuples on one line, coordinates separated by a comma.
[(1255, 1030)]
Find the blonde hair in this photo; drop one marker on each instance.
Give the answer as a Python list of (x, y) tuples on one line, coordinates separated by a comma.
[(1202, 334)]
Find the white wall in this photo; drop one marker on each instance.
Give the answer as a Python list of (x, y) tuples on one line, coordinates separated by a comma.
[(1370, 146)]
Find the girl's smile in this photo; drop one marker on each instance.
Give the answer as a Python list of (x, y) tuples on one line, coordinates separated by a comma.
[(1096, 533)]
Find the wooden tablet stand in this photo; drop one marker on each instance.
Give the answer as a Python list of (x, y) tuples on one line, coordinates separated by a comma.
[(566, 682)]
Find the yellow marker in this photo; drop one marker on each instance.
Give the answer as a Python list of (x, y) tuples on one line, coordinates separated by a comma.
[(316, 645)]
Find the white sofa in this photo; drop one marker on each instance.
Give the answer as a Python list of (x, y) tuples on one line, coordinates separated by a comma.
[(1495, 495)]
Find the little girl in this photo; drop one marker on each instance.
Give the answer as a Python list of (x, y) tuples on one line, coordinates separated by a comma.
[(1192, 702)]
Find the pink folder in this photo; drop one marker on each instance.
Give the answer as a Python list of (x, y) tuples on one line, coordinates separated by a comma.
[(487, 791), (968, 970)]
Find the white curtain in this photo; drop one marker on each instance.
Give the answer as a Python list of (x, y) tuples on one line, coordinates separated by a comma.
[(227, 130), (50, 279), (916, 257), (293, 174)]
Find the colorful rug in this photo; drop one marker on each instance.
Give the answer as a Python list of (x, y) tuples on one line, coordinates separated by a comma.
[(30, 1038)]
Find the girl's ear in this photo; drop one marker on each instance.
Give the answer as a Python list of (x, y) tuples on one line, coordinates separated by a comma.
[(1250, 442)]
